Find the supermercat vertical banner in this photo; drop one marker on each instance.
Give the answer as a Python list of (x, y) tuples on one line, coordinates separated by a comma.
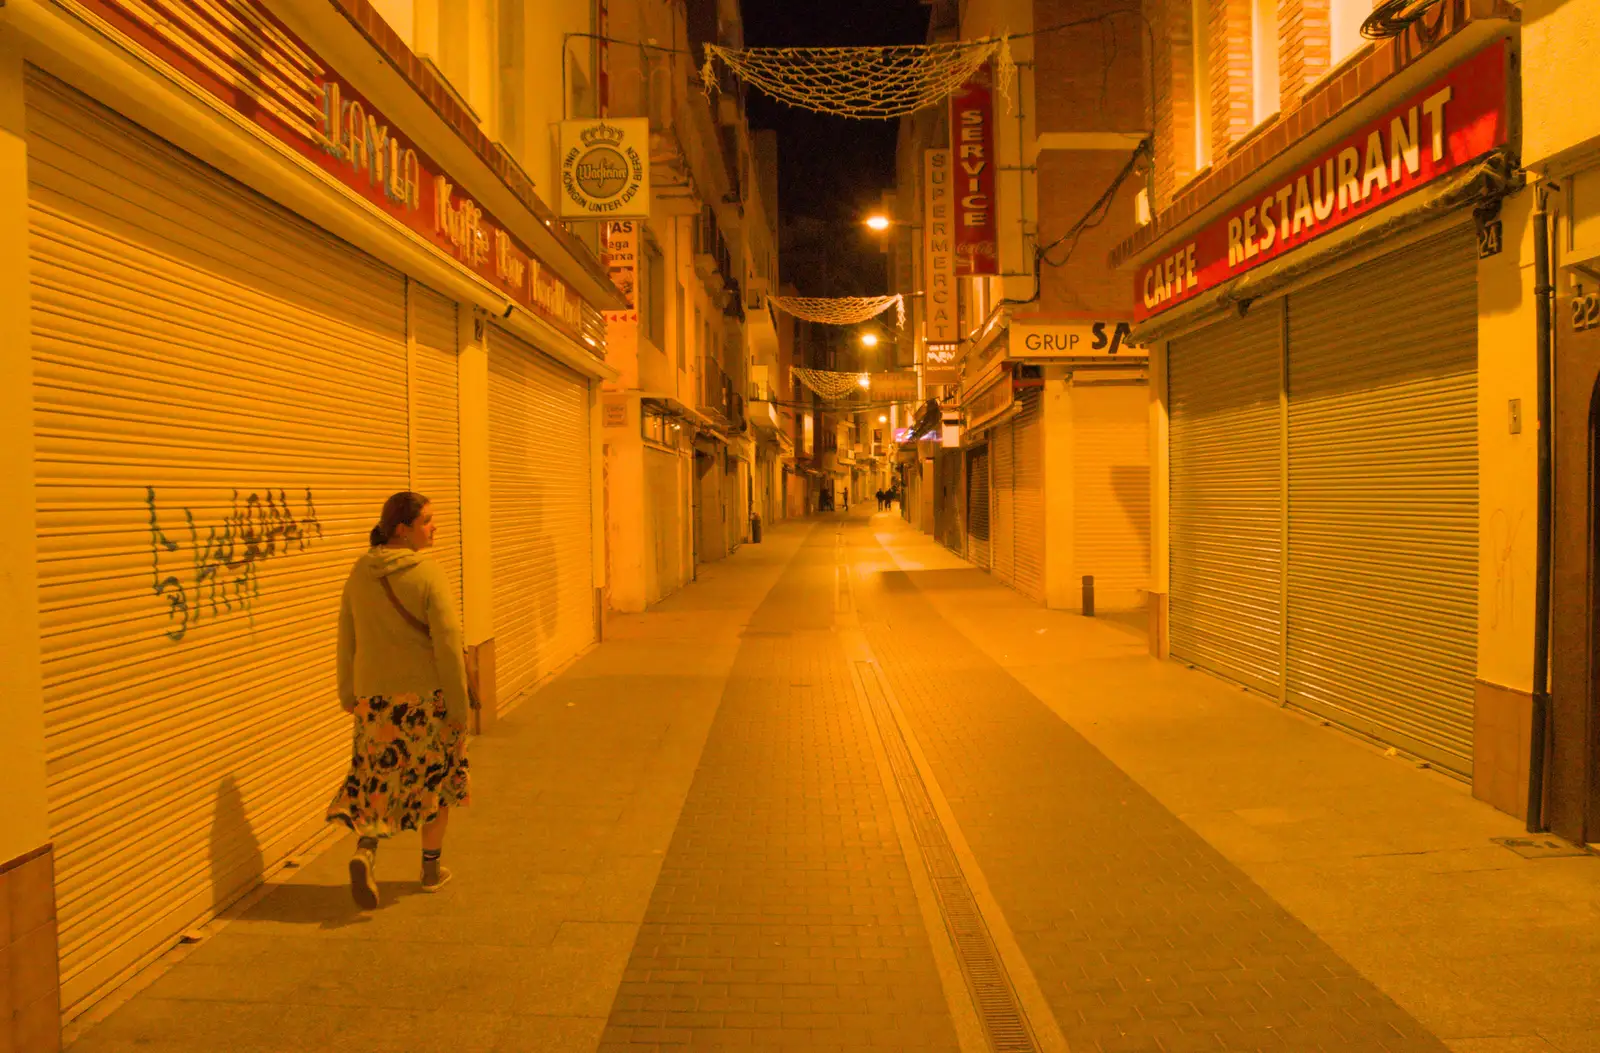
[(938, 245), (972, 143)]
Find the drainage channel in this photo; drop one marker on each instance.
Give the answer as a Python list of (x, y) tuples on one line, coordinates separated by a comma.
[(993, 994)]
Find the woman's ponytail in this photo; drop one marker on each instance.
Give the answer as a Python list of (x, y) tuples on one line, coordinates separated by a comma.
[(401, 509)]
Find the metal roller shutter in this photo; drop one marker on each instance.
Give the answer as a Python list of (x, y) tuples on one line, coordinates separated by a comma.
[(436, 421), (1383, 498), (539, 497), (1003, 505), (220, 410), (1111, 487), (1226, 604), (1028, 486), (664, 520), (978, 506)]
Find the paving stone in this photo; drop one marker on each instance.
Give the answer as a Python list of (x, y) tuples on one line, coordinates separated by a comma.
[(1034, 799), (785, 877)]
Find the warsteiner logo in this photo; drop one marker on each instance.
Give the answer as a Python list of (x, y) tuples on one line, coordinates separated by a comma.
[(602, 169)]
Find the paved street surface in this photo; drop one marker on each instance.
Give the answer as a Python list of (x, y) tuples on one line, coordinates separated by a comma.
[(847, 793)]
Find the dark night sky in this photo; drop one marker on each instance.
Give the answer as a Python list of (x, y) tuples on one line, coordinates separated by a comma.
[(830, 168)]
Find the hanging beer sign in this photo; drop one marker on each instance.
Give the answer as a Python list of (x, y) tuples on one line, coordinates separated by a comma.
[(605, 169)]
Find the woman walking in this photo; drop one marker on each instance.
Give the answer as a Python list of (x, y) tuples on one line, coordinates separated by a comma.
[(401, 674)]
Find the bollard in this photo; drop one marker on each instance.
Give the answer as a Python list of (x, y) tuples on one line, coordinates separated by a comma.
[(755, 530), (1088, 595)]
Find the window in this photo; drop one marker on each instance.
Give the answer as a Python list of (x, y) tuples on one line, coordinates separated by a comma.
[(653, 293), (511, 88), (1264, 57), (1344, 23), (1200, 19), (582, 103), (682, 350)]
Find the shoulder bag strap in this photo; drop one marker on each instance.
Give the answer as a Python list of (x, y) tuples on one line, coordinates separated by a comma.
[(411, 619)]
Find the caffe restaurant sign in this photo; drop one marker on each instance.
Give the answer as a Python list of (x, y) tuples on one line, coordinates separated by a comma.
[(1445, 126), (247, 61)]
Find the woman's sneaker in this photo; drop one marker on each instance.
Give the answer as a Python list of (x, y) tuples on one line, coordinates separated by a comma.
[(363, 880), (435, 876)]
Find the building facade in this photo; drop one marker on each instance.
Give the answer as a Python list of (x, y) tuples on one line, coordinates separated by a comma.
[(1561, 148), (266, 264), (692, 442), (1335, 288), (1037, 469)]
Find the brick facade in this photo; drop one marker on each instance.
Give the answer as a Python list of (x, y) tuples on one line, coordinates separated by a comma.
[(1091, 78), (1069, 184), (1305, 48), (1231, 116), (1174, 114), (1310, 97)]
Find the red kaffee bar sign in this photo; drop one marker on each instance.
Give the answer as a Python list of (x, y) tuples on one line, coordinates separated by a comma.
[(242, 56), (1450, 123)]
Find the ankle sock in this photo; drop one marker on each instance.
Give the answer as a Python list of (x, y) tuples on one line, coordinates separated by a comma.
[(431, 855), (367, 844)]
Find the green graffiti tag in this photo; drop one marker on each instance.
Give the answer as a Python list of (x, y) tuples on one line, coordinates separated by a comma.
[(224, 574)]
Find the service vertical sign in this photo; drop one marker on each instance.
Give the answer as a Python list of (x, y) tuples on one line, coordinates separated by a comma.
[(972, 134), (939, 255)]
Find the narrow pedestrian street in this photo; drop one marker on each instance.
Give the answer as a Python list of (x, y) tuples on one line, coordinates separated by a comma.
[(845, 792)]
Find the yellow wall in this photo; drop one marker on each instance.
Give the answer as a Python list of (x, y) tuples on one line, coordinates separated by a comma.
[(472, 386), (1560, 39), (1060, 491), (24, 826), (1507, 463)]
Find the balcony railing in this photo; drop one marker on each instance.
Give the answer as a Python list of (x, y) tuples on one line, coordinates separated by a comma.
[(719, 397)]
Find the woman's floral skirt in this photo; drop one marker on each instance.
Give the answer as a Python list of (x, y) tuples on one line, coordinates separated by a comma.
[(406, 764)]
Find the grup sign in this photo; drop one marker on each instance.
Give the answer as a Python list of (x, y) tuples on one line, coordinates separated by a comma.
[(605, 169), (1035, 336), (1455, 120)]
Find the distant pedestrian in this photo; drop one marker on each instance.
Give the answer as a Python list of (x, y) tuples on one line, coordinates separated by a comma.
[(880, 499), (402, 676)]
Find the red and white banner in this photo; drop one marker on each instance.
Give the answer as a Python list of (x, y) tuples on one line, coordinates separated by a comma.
[(972, 144), (1448, 124)]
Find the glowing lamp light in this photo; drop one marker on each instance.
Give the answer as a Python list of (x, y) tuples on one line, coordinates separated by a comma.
[(878, 221), (865, 380), (869, 339), (883, 418)]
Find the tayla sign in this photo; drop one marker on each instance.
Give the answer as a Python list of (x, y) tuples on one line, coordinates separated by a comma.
[(605, 169)]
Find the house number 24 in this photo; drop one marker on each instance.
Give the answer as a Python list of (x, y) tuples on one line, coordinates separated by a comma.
[(1586, 312)]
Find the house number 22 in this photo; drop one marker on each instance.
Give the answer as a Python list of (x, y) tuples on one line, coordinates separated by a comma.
[(1586, 312)]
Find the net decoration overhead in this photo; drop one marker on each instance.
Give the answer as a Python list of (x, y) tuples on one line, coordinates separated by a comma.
[(830, 385), (864, 82), (841, 310)]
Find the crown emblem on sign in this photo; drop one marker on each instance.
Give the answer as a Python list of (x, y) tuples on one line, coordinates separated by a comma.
[(602, 135)]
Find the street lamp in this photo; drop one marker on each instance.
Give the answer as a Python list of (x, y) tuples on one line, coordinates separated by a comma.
[(878, 221), (869, 339), (883, 418), (865, 380)]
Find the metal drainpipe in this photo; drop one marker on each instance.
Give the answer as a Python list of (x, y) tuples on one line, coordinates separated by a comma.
[(1542, 290)]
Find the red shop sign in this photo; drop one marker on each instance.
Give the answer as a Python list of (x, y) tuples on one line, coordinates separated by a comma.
[(977, 240), (246, 59), (1450, 123)]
